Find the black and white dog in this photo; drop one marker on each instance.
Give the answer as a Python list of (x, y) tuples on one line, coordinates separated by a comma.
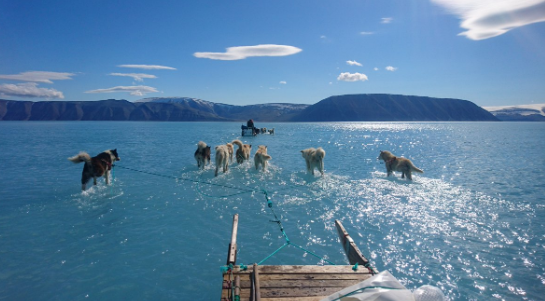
[(96, 167)]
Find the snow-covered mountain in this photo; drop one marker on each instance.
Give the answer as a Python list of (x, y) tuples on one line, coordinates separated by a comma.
[(533, 112)]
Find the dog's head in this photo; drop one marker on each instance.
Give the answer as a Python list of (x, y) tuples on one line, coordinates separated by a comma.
[(384, 155), (115, 156)]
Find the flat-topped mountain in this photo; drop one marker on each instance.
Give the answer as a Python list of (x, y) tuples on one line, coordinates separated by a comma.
[(359, 107), (388, 107)]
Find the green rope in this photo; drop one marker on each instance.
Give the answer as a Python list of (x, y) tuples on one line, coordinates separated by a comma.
[(242, 190), (288, 242)]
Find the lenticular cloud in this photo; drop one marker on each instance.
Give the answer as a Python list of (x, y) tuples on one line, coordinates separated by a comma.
[(485, 19), (132, 90), (352, 77), (242, 52), (29, 90)]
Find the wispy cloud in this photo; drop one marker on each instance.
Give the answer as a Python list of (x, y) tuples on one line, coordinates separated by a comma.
[(242, 52), (353, 63), (132, 90), (486, 19), (390, 68), (283, 82), (386, 20), (29, 90), (45, 77), (376, 69), (352, 77), (139, 77), (147, 67), (366, 33)]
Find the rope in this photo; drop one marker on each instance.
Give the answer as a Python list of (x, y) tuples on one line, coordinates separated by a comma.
[(288, 242), (242, 191)]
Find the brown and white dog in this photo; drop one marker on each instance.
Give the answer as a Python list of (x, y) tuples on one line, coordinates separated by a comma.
[(243, 151), (261, 157), (393, 163), (202, 154), (96, 167), (314, 157), (222, 158)]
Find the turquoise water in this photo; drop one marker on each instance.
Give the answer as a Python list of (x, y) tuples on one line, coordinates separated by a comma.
[(473, 224)]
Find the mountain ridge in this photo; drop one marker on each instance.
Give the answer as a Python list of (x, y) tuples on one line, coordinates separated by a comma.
[(352, 107)]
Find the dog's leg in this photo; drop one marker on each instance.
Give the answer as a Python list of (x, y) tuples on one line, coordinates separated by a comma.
[(107, 177), (409, 175), (217, 167)]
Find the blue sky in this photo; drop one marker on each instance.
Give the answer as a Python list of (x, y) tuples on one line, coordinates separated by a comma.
[(491, 52)]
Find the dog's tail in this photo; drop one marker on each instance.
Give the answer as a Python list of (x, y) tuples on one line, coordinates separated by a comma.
[(414, 168), (201, 145), (81, 157), (237, 142)]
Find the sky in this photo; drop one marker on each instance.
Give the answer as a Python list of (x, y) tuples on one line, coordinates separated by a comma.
[(490, 52)]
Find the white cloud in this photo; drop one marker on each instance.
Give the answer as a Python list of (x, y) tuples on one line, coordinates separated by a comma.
[(283, 82), (139, 77), (366, 33), (390, 68), (353, 63), (148, 67), (386, 20), (323, 37), (46, 77), (132, 90), (29, 90), (376, 69), (242, 52), (485, 19), (352, 77)]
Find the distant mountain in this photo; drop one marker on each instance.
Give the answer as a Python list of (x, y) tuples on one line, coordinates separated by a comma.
[(360, 107), (387, 107), (535, 112)]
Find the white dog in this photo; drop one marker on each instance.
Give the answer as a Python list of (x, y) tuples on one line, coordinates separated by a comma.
[(261, 157), (314, 157), (222, 158), (243, 151)]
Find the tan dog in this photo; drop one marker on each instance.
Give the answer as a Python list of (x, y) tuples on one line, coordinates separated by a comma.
[(222, 158), (231, 150), (393, 163), (314, 157), (261, 157), (243, 151)]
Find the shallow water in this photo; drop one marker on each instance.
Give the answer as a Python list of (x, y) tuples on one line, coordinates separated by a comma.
[(472, 224)]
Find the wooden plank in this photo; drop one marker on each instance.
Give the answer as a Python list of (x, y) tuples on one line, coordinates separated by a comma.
[(352, 251), (292, 293), (232, 252), (237, 286), (257, 287), (296, 277), (304, 269), (302, 283)]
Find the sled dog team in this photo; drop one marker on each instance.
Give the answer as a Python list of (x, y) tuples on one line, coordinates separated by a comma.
[(100, 165)]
